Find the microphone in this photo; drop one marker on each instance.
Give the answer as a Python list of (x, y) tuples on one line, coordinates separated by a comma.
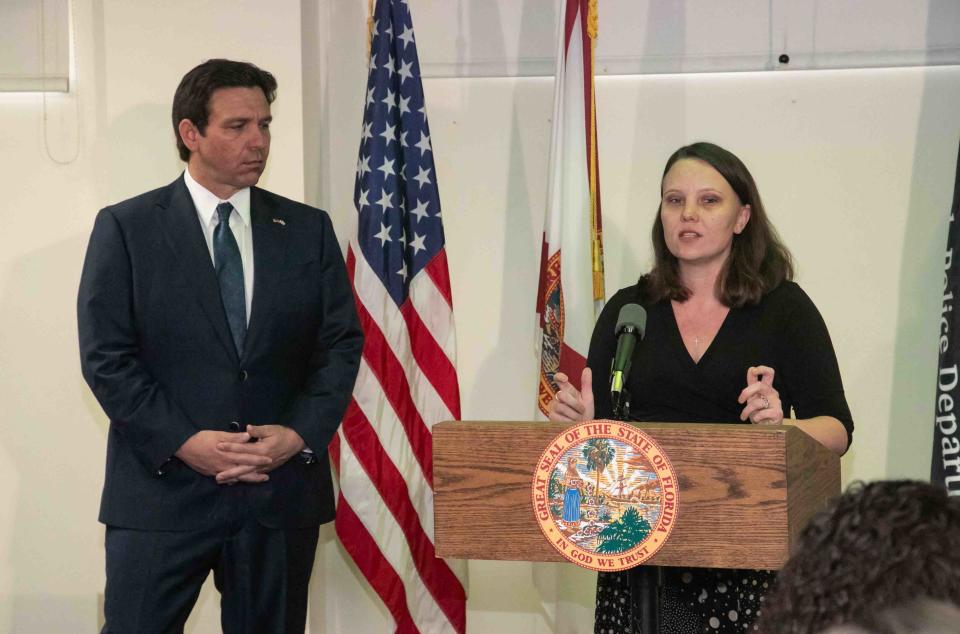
[(631, 324)]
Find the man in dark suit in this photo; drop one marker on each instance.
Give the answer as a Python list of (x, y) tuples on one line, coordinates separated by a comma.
[(218, 332)]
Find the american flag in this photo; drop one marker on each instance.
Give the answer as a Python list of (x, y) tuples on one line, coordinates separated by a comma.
[(407, 380)]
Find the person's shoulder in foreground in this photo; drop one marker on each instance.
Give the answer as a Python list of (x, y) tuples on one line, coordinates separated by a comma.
[(879, 545)]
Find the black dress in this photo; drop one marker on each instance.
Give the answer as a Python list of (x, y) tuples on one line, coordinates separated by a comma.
[(785, 332)]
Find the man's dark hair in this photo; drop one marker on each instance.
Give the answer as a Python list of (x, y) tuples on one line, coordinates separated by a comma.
[(758, 261), (878, 545), (192, 99)]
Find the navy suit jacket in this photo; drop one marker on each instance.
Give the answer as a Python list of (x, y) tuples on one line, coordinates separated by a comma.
[(156, 350)]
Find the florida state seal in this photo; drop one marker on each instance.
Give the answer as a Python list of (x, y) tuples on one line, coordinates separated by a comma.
[(605, 495)]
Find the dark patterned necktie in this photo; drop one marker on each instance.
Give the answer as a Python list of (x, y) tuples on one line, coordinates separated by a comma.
[(226, 258)]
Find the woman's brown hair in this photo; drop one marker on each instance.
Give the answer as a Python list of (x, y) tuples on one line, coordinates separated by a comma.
[(758, 260)]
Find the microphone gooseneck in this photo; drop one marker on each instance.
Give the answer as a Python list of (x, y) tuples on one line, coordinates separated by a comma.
[(631, 326)]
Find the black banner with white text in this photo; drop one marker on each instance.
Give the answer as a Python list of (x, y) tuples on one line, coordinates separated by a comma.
[(945, 463)]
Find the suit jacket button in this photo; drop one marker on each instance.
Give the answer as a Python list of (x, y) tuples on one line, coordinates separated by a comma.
[(243, 376), (234, 426)]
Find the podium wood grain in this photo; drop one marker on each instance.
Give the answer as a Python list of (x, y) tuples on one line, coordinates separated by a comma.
[(746, 491)]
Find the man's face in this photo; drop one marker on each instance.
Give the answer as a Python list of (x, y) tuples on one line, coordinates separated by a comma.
[(232, 152)]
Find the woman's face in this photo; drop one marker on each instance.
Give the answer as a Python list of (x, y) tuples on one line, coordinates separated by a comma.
[(700, 213)]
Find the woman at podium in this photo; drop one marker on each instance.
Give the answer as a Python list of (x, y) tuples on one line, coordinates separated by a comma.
[(729, 337)]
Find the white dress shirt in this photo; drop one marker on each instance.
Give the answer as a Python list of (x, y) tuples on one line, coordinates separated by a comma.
[(206, 203)]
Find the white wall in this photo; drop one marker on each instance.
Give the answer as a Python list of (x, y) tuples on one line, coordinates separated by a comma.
[(856, 168)]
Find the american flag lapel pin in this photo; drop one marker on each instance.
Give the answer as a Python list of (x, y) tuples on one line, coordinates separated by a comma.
[(280, 222)]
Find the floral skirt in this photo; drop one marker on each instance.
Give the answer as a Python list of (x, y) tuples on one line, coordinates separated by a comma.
[(691, 600)]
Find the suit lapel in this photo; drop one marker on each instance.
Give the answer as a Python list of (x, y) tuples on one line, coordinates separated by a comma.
[(270, 241), (185, 238)]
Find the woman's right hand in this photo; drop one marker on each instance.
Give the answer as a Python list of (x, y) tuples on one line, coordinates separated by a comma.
[(570, 405)]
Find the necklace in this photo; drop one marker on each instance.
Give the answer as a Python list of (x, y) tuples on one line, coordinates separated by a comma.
[(698, 326)]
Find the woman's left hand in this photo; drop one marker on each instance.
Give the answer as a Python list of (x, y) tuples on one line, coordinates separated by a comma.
[(763, 404)]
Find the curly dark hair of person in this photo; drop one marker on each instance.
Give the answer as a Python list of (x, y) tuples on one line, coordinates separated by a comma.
[(758, 260), (191, 101), (924, 616), (878, 545)]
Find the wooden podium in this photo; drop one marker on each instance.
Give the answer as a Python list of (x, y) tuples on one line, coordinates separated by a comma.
[(746, 491)]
